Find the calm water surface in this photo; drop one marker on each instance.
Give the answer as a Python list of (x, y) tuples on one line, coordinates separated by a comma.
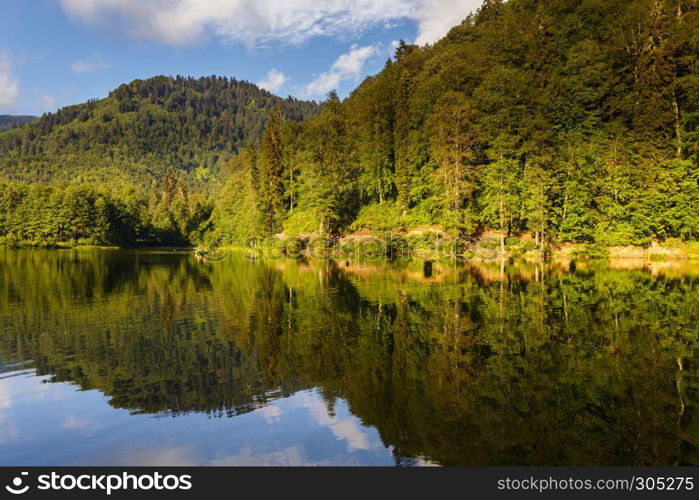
[(148, 358)]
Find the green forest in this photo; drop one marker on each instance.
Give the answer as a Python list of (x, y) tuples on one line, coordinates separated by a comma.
[(11, 121), (569, 121)]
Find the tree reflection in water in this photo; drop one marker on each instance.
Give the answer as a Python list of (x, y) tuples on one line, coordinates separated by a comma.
[(488, 364)]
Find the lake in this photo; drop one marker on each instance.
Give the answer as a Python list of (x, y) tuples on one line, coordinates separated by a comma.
[(117, 357)]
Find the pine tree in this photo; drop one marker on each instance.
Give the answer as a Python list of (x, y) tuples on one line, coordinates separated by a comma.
[(401, 141), (537, 183), (271, 175), (455, 146), (501, 184)]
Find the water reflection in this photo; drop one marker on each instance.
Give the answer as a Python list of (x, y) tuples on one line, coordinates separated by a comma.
[(51, 423), (353, 364)]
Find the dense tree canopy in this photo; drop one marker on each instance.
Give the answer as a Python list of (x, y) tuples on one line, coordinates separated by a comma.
[(144, 128), (12, 121), (570, 120), (573, 120)]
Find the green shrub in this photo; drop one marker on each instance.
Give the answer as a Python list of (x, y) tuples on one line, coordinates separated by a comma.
[(517, 251), (489, 244), (512, 241), (528, 245), (672, 243), (379, 217), (301, 222)]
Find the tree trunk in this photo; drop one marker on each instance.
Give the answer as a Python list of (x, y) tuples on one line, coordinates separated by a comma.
[(678, 123), (291, 195), (678, 383), (502, 227)]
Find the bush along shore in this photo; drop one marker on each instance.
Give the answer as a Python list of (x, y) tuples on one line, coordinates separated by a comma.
[(434, 245)]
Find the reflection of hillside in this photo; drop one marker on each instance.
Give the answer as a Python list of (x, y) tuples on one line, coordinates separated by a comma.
[(480, 365), (446, 271)]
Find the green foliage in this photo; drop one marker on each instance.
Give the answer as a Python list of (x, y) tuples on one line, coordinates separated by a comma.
[(44, 216), (511, 241), (556, 130), (11, 121), (328, 184), (580, 125), (270, 174), (41, 215), (235, 217), (379, 218), (147, 127), (301, 222)]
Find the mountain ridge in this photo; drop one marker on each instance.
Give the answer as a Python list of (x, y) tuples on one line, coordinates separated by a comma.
[(11, 121), (144, 127)]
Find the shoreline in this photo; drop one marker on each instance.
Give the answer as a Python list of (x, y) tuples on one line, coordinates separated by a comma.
[(568, 252)]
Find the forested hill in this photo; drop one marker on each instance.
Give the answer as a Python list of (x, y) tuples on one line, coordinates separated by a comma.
[(564, 120), (11, 121), (570, 120), (143, 128)]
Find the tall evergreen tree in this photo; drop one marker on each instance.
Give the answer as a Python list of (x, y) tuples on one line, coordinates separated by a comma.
[(270, 171)]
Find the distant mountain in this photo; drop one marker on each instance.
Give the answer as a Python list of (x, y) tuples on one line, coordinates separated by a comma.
[(12, 121), (143, 128)]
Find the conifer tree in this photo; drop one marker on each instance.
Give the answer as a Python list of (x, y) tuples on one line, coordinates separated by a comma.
[(270, 171)]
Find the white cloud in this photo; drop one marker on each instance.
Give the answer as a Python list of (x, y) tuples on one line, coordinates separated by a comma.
[(87, 426), (9, 84), (48, 102), (273, 81), (5, 397), (89, 65), (294, 455), (347, 429), (347, 66), (8, 428), (260, 22), (176, 456), (436, 17), (272, 413), (424, 462), (350, 431)]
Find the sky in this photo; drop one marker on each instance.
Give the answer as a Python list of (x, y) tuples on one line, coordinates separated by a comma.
[(59, 52)]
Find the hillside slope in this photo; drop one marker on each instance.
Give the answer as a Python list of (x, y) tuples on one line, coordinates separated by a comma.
[(12, 121), (571, 120), (543, 121), (143, 128)]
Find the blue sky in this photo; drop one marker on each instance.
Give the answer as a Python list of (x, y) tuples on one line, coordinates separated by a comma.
[(59, 52)]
